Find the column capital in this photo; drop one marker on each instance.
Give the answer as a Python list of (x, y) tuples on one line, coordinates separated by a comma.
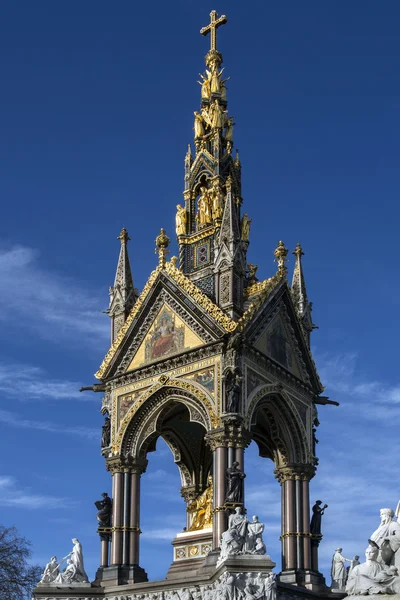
[(233, 434), (189, 493), (122, 464), (299, 472)]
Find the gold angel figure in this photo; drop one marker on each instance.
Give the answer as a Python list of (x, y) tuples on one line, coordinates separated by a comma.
[(205, 85), (201, 508), (245, 229)]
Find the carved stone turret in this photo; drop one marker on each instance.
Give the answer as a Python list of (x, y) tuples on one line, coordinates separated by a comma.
[(123, 295)]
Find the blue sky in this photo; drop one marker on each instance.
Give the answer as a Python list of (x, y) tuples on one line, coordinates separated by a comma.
[(96, 112)]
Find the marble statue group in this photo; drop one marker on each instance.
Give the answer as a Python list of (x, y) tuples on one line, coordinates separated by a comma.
[(242, 536), (74, 573), (379, 574)]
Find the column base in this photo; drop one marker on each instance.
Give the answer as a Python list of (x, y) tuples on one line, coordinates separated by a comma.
[(120, 575), (312, 580)]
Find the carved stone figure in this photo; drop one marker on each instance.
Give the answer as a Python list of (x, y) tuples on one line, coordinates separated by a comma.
[(373, 577), (180, 220), (387, 538), (198, 125), (223, 88), (353, 563), (68, 575), (235, 484), (229, 134), (266, 586), (106, 432), (51, 571), (315, 525), (204, 214), (202, 508), (338, 571), (238, 521), (253, 542), (104, 507), (233, 390), (77, 561), (231, 544), (245, 227)]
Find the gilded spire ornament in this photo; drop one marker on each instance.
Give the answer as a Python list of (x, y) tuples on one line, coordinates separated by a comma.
[(162, 243), (280, 254), (123, 236), (212, 28)]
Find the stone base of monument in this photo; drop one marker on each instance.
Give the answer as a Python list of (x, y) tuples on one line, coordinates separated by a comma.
[(311, 580), (190, 550), (244, 563), (120, 575)]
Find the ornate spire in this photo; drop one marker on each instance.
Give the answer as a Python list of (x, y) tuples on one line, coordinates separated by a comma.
[(122, 294), (209, 226), (299, 294), (280, 258)]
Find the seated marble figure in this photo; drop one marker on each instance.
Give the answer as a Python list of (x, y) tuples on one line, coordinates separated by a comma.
[(373, 576)]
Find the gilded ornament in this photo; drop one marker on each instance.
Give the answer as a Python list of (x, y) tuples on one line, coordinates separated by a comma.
[(204, 212), (198, 125), (280, 257), (180, 220), (215, 22), (201, 509)]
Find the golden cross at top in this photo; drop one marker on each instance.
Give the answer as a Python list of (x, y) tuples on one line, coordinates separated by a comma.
[(213, 26)]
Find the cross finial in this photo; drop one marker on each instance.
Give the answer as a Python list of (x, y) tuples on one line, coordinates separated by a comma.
[(123, 236), (212, 28)]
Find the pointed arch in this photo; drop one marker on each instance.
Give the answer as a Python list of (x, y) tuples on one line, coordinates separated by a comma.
[(276, 426)]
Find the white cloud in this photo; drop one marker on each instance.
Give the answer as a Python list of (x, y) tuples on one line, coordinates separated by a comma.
[(155, 535), (28, 382), (12, 495), (14, 420), (55, 307), (340, 374)]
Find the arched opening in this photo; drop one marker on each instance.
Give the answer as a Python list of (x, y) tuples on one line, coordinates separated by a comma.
[(171, 421)]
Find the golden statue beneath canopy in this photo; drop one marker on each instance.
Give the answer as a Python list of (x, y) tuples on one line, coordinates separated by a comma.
[(202, 509)]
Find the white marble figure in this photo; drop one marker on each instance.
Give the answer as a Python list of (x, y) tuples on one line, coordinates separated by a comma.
[(51, 571), (267, 586), (253, 539), (338, 570), (242, 537), (68, 575), (353, 563), (373, 577), (387, 537), (75, 571)]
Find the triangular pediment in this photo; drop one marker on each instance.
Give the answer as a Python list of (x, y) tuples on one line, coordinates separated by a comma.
[(171, 316), (274, 329), (167, 335), (277, 342)]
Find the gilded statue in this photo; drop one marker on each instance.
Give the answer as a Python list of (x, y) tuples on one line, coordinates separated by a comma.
[(205, 85), (180, 220), (217, 115), (198, 125), (217, 197), (201, 508), (245, 227), (204, 213)]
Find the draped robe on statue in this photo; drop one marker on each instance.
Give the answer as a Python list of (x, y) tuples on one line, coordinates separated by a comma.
[(77, 560), (390, 549)]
